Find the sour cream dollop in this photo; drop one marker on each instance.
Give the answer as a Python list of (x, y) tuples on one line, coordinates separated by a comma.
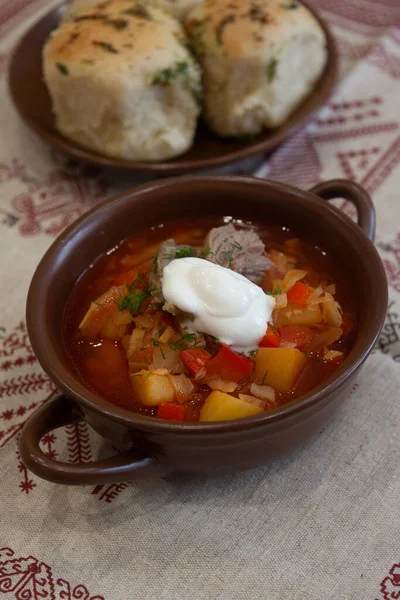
[(223, 303)]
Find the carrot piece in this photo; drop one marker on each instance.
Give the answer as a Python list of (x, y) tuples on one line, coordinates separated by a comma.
[(271, 339), (299, 293), (171, 412)]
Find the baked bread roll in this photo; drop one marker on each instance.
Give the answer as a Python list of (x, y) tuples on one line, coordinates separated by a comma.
[(260, 58), (123, 82), (176, 8)]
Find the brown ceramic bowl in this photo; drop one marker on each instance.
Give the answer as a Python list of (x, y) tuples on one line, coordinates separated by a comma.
[(154, 446), (209, 152)]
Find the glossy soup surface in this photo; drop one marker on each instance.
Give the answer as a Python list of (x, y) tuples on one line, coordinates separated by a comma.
[(104, 366)]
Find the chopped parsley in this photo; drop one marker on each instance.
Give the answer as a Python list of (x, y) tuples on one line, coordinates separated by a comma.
[(274, 292), (253, 354), (96, 303), (182, 252), (62, 68), (135, 297), (147, 376), (105, 46), (271, 69), (165, 76)]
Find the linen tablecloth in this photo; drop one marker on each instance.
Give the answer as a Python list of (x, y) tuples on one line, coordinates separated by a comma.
[(322, 524)]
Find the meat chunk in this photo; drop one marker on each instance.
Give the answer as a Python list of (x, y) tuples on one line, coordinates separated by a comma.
[(167, 252), (237, 249)]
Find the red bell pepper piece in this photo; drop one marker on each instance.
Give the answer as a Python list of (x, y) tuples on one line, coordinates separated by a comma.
[(171, 412), (271, 339), (126, 278), (299, 293), (301, 335), (228, 365), (195, 360)]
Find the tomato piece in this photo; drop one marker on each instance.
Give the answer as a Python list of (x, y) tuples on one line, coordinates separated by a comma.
[(126, 278), (228, 365), (195, 360), (171, 412), (271, 339), (299, 293), (301, 335)]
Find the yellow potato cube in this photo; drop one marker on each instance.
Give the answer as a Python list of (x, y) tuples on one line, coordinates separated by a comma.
[(279, 367), (223, 407), (151, 389)]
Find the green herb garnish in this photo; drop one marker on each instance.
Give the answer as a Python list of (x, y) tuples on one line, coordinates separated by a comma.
[(87, 61), (62, 68), (147, 376), (227, 257), (290, 6), (165, 76), (253, 354), (96, 303), (135, 297), (183, 252), (117, 23), (274, 292), (158, 344), (105, 46), (188, 340), (221, 26), (205, 252), (271, 69)]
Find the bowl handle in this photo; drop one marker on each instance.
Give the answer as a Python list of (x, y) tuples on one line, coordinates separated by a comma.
[(354, 193), (60, 411)]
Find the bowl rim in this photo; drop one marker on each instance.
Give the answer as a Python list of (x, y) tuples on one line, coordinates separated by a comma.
[(79, 394), (324, 88)]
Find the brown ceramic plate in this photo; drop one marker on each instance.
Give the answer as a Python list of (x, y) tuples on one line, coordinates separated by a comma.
[(208, 152)]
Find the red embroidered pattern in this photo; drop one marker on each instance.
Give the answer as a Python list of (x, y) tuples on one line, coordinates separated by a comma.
[(390, 586), (28, 578)]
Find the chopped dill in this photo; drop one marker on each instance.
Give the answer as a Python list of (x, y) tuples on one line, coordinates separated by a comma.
[(274, 292), (135, 297), (182, 252), (158, 344)]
